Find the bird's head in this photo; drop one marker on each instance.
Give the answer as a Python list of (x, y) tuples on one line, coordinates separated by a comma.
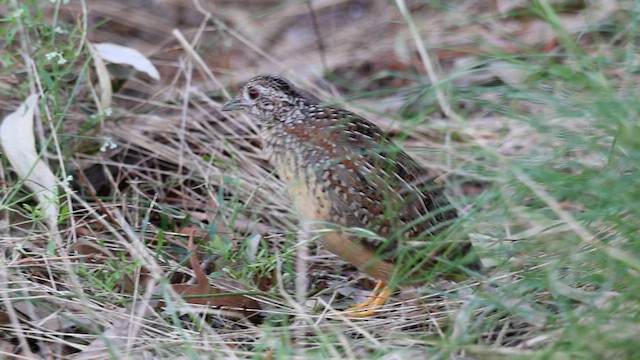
[(268, 97)]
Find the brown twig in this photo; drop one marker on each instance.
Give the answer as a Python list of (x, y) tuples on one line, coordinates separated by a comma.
[(319, 39)]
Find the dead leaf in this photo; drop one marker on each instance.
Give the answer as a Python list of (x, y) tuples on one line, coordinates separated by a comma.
[(4, 318), (538, 31), (119, 54), (119, 336), (509, 73), (202, 293), (504, 6), (254, 245), (112, 340), (19, 144)]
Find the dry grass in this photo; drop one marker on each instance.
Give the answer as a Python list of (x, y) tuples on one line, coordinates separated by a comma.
[(179, 163)]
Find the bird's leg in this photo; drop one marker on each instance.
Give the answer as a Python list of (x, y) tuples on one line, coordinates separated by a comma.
[(378, 297)]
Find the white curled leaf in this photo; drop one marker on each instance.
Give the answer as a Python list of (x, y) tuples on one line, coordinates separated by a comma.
[(119, 54), (104, 80), (19, 145)]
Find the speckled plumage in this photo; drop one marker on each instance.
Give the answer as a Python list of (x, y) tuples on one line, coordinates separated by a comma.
[(342, 169)]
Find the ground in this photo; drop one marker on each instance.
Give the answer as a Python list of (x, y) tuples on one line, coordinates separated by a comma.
[(526, 111)]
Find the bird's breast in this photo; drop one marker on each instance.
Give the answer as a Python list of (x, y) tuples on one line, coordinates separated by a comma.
[(298, 173)]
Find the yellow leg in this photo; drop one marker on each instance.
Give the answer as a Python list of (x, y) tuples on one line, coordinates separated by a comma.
[(378, 297)]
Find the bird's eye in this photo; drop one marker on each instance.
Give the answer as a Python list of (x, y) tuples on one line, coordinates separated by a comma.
[(254, 93)]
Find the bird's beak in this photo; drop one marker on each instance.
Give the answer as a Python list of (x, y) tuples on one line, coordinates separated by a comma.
[(234, 104)]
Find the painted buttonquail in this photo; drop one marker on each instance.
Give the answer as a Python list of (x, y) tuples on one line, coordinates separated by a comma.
[(344, 174)]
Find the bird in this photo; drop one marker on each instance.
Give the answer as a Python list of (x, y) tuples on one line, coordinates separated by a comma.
[(376, 205)]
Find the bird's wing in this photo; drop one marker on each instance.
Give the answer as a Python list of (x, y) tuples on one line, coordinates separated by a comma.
[(377, 186)]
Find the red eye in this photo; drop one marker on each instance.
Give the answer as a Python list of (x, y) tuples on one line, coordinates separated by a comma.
[(254, 94)]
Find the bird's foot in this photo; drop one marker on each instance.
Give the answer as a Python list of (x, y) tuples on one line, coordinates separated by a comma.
[(378, 297)]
